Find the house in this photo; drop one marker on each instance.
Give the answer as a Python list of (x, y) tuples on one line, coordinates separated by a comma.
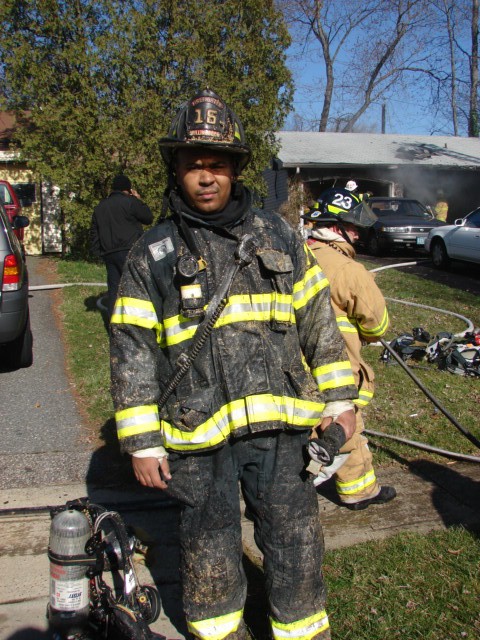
[(38, 198), (420, 167)]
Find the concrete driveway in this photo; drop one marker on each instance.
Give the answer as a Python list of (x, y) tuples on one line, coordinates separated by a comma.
[(41, 424)]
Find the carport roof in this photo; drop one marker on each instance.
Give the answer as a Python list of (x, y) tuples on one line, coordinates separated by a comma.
[(307, 149)]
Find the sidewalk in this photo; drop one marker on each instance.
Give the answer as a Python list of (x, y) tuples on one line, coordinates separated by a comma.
[(430, 496)]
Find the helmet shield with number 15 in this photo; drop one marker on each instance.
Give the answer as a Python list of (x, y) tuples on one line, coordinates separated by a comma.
[(207, 122)]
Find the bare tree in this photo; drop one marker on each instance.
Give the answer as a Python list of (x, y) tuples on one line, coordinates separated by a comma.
[(458, 27), (473, 123), (367, 47)]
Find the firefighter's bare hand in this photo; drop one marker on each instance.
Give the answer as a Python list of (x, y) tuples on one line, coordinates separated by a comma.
[(346, 419), (152, 473), (348, 422)]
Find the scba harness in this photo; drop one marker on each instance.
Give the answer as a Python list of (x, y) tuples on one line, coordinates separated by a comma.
[(457, 354), (86, 542)]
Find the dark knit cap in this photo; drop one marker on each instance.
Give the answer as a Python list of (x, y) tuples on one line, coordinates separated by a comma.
[(121, 183)]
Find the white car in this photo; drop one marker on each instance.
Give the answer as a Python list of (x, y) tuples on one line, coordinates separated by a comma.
[(458, 241)]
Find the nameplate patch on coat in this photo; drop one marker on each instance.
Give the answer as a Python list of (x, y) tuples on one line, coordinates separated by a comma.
[(190, 291), (161, 248)]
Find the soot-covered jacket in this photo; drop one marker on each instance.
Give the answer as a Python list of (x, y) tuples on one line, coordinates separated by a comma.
[(250, 375)]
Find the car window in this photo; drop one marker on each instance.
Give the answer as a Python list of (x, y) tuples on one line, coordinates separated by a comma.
[(5, 195), (5, 222), (394, 207), (473, 220)]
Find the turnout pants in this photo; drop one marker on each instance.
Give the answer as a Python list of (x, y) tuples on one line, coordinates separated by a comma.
[(356, 480), (283, 503)]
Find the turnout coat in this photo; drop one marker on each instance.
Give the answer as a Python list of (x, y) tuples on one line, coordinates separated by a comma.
[(275, 355)]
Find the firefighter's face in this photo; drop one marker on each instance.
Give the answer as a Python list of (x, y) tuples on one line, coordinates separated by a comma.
[(352, 232), (205, 178)]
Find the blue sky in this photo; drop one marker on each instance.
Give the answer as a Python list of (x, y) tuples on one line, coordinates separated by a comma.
[(408, 109), (405, 113)]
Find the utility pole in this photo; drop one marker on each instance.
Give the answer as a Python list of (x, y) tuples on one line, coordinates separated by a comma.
[(384, 116)]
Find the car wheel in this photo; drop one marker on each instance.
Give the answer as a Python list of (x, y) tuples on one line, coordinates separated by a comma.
[(439, 254), (373, 245), (19, 352)]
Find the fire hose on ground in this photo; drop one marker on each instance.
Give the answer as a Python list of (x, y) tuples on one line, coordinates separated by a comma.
[(421, 386)]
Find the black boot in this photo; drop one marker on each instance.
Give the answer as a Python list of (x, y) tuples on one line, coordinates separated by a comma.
[(385, 494)]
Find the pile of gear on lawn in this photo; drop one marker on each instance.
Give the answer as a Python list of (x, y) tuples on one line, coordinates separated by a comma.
[(456, 353)]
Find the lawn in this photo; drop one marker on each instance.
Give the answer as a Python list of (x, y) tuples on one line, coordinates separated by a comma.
[(409, 586)]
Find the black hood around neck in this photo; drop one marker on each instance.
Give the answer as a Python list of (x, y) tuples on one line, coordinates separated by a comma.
[(227, 218)]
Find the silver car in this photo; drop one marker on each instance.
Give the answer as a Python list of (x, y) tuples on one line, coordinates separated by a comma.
[(16, 343), (458, 241)]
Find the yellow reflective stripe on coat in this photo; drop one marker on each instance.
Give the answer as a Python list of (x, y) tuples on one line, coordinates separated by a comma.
[(239, 414), (355, 486), (307, 288), (379, 330), (345, 325), (364, 397), (258, 307), (137, 420), (302, 629), (140, 313), (332, 376), (261, 307), (216, 628)]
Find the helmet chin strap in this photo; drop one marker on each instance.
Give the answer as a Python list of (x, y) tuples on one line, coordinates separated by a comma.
[(237, 188), (344, 233)]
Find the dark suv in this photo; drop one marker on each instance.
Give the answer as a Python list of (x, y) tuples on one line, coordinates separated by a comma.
[(16, 342)]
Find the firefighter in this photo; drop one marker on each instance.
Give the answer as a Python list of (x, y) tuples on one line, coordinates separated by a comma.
[(204, 400), (338, 199), (441, 207), (362, 317)]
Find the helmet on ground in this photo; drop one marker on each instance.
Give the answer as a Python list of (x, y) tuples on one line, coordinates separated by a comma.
[(206, 121), (351, 185)]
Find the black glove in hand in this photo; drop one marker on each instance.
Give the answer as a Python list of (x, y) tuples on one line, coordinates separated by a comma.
[(321, 451), (325, 448)]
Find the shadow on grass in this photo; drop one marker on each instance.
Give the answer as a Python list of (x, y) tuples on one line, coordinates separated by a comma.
[(455, 494), (98, 304)]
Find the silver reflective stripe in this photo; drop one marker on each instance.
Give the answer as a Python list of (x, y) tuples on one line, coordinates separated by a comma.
[(216, 628), (240, 413), (301, 630), (355, 486)]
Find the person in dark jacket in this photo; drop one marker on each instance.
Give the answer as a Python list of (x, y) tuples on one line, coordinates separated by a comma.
[(219, 310), (116, 225)]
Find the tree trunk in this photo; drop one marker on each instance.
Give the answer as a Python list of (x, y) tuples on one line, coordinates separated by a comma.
[(473, 125)]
